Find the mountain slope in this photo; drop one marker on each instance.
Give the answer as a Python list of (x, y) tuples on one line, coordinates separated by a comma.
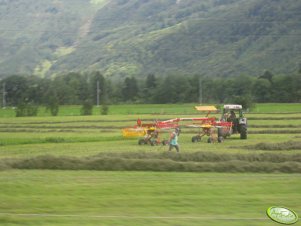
[(132, 37)]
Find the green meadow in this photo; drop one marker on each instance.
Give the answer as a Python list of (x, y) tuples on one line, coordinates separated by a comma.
[(80, 170), (143, 198), (134, 109)]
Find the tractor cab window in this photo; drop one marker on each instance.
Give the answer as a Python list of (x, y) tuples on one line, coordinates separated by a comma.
[(232, 116)]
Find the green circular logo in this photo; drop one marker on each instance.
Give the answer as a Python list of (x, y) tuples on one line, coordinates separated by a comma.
[(282, 215)]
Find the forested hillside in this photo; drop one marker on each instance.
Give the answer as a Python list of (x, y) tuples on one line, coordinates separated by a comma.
[(138, 37)]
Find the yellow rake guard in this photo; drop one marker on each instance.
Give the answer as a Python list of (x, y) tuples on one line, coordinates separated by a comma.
[(133, 132), (206, 126), (206, 108)]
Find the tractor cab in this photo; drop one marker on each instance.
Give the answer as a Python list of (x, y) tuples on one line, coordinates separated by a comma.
[(233, 113)]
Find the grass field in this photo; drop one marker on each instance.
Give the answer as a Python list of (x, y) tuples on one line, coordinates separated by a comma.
[(91, 197), (136, 109), (143, 198)]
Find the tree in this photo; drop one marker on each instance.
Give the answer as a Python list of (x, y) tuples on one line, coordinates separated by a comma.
[(166, 92), (285, 89), (246, 101), (267, 75), (35, 89), (25, 109), (149, 89), (182, 87), (54, 107), (65, 94), (130, 89), (151, 81), (16, 88), (296, 88), (262, 90), (209, 90), (238, 91), (241, 86), (192, 94), (52, 102), (104, 109), (87, 108)]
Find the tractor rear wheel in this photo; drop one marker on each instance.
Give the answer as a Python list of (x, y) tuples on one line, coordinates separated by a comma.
[(141, 141), (243, 132), (165, 142), (152, 142), (195, 139), (224, 132), (220, 132), (220, 139)]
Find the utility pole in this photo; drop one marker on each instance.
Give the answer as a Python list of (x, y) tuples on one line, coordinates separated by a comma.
[(97, 93), (200, 91), (4, 96)]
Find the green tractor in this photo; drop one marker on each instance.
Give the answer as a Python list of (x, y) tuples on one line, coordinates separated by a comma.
[(233, 113)]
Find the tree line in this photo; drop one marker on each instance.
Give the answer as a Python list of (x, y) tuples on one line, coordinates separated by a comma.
[(88, 89)]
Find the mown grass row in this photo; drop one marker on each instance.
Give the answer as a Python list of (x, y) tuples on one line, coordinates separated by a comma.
[(290, 145), (61, 127), (188, 162), (274, 126), (58, 140), (273, 131), (114, 126), (118, 130), (113, 164), (282, 118)]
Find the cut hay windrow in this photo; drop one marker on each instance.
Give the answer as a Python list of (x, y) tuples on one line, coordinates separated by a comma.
[(194, 162), (290, 145), (274, 126), (61, 127), (204, 156), (274, 118), (274, 131)]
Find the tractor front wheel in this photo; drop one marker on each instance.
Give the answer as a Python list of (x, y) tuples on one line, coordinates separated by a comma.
[(243, 132)]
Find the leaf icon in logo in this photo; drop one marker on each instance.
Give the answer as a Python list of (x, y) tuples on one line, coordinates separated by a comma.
[(282, 215)]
